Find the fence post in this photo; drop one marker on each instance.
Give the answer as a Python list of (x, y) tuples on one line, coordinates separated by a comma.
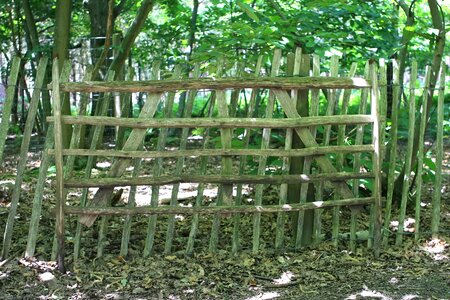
[(59, 167), (6, 113), (436, 204), (375, 111)]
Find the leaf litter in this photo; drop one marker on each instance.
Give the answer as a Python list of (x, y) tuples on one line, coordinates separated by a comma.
[(413, 271)]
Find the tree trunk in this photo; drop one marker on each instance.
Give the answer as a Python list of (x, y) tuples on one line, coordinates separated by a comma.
[(438, 24), (130, 37), (61, 50), (97, 14), (30, 23), (192, 30), (34, 44)]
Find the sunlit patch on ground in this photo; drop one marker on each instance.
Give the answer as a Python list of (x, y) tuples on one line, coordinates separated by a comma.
[(265, 296), (286, 277), (372, 294), (436, 248), (408, 225)]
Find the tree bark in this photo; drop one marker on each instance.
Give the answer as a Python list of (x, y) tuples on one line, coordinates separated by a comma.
[(130, 37), (438, 24), (30, 23), (61, 50), (98, 18), (109, 26), (34, 44), (193, 28)]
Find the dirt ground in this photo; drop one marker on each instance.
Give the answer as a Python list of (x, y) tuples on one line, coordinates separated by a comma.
[(413, 271)]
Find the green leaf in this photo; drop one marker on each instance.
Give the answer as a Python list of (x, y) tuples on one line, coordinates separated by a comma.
[(248, 10), (124, 281)]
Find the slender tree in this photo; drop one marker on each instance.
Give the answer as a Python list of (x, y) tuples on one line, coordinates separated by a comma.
[(61, 51), (130, 37), (438, 52)]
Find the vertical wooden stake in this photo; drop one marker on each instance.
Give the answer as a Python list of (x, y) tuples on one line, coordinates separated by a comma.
[(408, 176), (59, 167), (420, 154), (436, 204), (393, 152), (31, 117), (7, 106), (263, 159), (376, 140)]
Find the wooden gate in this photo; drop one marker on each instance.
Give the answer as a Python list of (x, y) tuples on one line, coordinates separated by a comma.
[(323, 158)]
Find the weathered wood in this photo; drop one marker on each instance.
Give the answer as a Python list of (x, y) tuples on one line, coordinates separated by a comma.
[(156, 86), (29, 124), (39, 194), (314, 111), (340, 156), (225, 195), (235, 242), (357, 156), (309, 141), (119, 166), (313, 151), (409, 153), (233, 108), (217, 122), (276, 61), (218, 179), (75, 142), (41, 181), (333, 101), (360, 131), (151, 228), (126, 111), (121, 211), (201, 186), (344, 112), (393, 152), (420, 154), (180, 161), (76, 139), (7, 105), (63, 77), (126, 233), (293, 64), (297, 193), (376, 163), (97, 133), (60, 201), (436, 202), (382, 84)]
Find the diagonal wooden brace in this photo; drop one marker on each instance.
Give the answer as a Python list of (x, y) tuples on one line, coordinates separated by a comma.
[(309, 141), (119, 166)]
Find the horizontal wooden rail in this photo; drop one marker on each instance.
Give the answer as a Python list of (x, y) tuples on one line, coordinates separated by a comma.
[(158, 86), (120, 211), (313, 151), (213, 179), (217, 122)]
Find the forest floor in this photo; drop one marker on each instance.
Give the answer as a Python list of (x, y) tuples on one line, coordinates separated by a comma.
[(413, 271)]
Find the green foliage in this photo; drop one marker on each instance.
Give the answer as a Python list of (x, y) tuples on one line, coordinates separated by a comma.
[(429, 169)]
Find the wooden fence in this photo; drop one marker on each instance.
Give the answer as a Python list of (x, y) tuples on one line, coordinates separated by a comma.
[(282, 132), (284, 92)]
